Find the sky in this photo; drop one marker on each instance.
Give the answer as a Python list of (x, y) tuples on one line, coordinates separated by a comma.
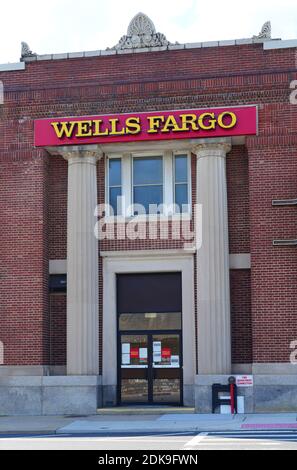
[(54, 26)]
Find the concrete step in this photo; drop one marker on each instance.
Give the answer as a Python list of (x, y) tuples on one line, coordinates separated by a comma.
[(145, 410)]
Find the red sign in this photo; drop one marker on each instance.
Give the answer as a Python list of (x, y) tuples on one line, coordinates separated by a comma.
[(134, 352), (161, 125), (166, 352)]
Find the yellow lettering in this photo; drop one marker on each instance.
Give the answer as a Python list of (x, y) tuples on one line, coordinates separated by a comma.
[(97, 128), (84, 129), (114, 130), (133, 125), (189, 120), (221, 120), (211, 122), (171, 124), (63, 128), (154, 121)]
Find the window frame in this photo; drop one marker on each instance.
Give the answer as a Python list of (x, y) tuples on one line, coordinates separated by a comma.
[(189, 181), (107, 185), (168, 183), (147, 155)]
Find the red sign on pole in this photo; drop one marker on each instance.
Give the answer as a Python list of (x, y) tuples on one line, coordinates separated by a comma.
[(159, 125)]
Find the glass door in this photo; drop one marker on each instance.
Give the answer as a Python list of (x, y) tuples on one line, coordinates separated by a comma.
[(166, 368), (150, 368), (134, 369)]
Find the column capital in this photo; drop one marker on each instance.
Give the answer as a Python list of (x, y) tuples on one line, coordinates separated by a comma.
[(212, 147), (78, 153)]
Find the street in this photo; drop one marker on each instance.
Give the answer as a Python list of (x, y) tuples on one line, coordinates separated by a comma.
[(232, 440)]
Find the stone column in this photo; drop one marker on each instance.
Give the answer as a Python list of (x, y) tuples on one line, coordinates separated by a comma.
[(213, 292), (82, 262)]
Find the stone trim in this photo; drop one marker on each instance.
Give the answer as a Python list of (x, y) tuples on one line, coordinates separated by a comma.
[(279, 44), (238, 369), (274, 368), (158, 263), (13, 66), (237, 260), (146, 253), (57, 266), (8, 371), (267, 44), (240, 261), (25, 371)]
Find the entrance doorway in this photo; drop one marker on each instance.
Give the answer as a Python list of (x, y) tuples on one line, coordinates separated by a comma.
[(150, 362), (151, 368)]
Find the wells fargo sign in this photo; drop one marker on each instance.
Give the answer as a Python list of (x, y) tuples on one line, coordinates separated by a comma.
[(189, 124)]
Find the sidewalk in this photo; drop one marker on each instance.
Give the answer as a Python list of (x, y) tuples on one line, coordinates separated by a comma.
[(127, 424)]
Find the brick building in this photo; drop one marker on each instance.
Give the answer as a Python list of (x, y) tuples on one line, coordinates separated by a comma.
[(156, 307)]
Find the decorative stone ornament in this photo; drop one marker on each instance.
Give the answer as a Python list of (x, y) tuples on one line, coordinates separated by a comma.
[(141, 33), (265, 32), (26, 51)]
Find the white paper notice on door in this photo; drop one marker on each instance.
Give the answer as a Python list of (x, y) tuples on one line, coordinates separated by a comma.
[(175, 361), (126, 348), (125, 358), (142, 353), (157, 357), (157, 346)]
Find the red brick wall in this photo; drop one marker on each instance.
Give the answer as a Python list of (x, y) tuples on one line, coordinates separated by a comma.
[(238, 200), (273, 175), (160, 80), (57, 208), (24, 327)]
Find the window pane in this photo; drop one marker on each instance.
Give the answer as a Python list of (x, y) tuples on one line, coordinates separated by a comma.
[(181, 169), (150, 321), (134, 390), (146, 195), (115, 172), (148, 170), (114, 193), (181, 194)]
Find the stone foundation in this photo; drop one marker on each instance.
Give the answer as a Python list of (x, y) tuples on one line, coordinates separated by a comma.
[(50, 395), (270, 393), (82, 395)]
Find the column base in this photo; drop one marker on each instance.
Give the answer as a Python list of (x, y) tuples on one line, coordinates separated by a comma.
[(50, 395)]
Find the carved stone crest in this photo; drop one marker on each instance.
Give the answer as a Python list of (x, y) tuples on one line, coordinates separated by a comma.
[(26, 51), (265, 32), (141, 33)]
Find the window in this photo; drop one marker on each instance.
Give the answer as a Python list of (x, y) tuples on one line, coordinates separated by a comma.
[(150, 321), (160, 183), (148, 182), (115, 183), (181, 182)]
